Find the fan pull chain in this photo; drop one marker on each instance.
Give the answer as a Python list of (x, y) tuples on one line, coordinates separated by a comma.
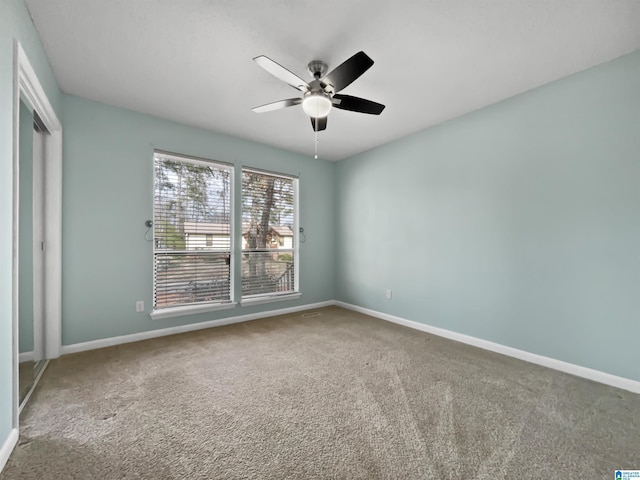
[(316, 143)]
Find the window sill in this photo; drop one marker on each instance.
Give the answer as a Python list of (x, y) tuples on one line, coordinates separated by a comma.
[(248, 302), (190, 310)]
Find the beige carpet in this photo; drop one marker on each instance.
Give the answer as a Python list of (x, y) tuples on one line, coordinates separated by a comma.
[(334, 396)]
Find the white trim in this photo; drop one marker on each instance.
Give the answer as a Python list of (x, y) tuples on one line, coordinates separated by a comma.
[(250, 302), (296, 235), (191, 159), (570, 368), (26, 356), (33, 91), (7, 447), (28, 85), (271, 173), (15, 240), (136, 337), (190, 310)]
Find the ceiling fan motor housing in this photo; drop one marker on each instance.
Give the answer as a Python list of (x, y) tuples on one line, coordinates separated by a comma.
[(317, 68)]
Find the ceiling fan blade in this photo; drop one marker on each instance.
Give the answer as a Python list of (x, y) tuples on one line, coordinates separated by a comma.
[(268, 107), (357, 104), (347, 72), (321, 123), (282, 73)]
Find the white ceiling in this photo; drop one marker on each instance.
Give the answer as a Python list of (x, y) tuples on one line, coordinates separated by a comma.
[(191, 60)]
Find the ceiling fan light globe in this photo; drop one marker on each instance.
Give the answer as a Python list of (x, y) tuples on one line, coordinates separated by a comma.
[(316, 106)]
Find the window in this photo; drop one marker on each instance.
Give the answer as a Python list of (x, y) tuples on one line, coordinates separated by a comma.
[(192, 231), (193, 241), (269, 249)]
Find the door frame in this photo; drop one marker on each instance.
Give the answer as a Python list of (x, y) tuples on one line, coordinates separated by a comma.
[(27, 86)]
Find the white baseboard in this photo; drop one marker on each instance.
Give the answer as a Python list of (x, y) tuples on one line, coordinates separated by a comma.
[(577, 370), (25, 357), (566, 367), (7, 447), (136, 337)]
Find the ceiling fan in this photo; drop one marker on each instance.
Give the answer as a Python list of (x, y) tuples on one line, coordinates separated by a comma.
[(321, 94)]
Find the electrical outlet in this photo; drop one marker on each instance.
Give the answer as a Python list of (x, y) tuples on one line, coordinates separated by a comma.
[(389, 294), (140, 306)]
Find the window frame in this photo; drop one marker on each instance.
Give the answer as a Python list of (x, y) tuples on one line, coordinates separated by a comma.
[(257, 299), (201, 307), (236, 251)]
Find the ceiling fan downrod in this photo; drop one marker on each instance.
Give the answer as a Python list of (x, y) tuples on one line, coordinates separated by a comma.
[(317, 69)]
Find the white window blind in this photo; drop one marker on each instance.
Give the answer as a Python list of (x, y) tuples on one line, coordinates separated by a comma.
[(192, 231), (269, 246)]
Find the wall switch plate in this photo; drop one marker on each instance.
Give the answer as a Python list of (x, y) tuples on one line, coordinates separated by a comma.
[(140, 306), (389, 294)]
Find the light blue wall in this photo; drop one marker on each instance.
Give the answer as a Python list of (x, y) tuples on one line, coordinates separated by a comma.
[(519, 223), (108, 195), (15, 23)]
